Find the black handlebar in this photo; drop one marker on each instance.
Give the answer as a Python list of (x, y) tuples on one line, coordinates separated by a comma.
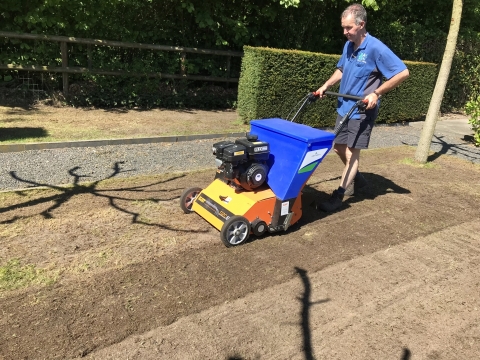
[(313, 96), (351, 97)]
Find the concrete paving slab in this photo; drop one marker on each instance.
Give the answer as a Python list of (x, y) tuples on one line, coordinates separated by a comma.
[(457, 126)]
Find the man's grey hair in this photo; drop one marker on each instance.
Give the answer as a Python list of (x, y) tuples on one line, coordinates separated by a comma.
[(358, 11)]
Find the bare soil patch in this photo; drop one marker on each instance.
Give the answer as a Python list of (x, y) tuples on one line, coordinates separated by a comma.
[(118, 258), (389, 304)]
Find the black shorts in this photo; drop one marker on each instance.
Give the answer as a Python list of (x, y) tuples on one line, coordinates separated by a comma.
[(356, 133)]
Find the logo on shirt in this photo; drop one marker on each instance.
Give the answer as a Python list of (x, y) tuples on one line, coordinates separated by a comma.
[(362, 57)]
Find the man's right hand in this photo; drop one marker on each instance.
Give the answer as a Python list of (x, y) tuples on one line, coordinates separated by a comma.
[(321, 91), (335, 78)]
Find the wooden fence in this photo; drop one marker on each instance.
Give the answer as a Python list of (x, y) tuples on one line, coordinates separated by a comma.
[(65, 69)]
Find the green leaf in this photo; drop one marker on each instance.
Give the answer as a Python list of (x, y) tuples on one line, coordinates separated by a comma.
[(290, 3), (371, 4)]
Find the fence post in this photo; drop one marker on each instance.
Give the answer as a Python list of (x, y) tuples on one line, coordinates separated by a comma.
[(228, 69), (183, 68), (89, 56), (64, 49)]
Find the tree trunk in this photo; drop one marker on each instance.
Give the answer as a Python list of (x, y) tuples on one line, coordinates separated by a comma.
[(426, 136)]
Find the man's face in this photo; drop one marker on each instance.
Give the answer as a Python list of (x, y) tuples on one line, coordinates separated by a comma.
[(350, 29)]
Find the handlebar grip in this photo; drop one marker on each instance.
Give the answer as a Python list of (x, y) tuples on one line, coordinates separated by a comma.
[(351, 97)]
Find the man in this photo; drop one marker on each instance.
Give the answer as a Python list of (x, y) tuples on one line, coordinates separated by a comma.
[(364, 62)]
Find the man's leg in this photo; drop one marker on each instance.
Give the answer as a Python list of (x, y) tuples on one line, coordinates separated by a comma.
[(358, 181), (348, 143), (352, 157), (341, 151), (357, 137)]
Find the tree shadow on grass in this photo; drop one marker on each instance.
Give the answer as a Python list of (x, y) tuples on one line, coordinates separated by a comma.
[(21, 133), (77, 188)]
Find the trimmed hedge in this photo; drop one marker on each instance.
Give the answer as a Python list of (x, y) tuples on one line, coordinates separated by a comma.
[(273, 82)]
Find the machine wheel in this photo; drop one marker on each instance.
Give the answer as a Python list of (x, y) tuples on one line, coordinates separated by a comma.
[(187, 198), (235, 231), (259, 227)]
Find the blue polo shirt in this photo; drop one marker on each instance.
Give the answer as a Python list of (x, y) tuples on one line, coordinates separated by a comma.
[(363, 70)]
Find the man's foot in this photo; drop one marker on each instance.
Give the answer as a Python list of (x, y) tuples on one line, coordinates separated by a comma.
[(332, 204), (358, 183)]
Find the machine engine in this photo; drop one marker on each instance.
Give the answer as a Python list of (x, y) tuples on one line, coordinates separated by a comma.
[(243, 162)]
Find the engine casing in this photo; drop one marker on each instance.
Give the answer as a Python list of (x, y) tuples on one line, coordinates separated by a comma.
[(242, 163)]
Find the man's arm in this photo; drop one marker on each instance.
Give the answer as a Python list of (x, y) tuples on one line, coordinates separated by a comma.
[(388, 85), (335, 78)]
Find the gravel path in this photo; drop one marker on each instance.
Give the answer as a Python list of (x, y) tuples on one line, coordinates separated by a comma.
[(69, 165)]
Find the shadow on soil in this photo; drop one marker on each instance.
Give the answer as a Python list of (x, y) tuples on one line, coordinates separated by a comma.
[(305, 321), (378, 186), (306, 305), (20, 133), (407, 354), (77, 188)]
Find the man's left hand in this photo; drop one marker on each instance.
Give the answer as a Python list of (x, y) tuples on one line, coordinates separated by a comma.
[(372, 100)]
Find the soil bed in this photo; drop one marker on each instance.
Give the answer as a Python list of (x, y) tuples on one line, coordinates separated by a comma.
[(121, 272)]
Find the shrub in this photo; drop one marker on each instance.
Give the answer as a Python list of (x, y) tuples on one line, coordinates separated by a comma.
[(472, 109), (150, 93)]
